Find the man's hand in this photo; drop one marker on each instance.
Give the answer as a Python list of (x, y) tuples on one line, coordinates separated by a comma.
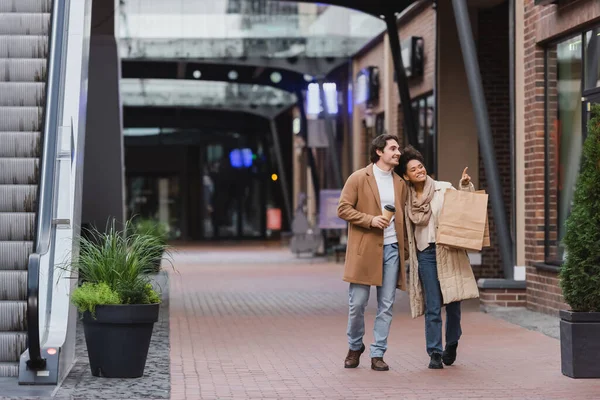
[(380, 222)]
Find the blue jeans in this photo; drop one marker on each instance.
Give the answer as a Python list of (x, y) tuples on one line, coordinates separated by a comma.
[(386, 295), (433, 305)]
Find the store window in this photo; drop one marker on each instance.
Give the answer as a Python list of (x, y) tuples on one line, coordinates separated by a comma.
[(572, 72), (424, 111)]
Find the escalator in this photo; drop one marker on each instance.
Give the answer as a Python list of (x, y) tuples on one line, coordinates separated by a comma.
[(24, 31)]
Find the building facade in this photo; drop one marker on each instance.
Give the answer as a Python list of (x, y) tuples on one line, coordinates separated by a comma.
[(539, 63)]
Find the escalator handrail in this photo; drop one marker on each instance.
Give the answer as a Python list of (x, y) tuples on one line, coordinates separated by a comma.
[(47, 178)]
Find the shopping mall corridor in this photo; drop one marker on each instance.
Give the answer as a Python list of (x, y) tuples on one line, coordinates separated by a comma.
[(257, 322)]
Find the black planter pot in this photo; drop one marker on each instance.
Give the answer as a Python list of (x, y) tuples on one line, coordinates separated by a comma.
[(580, 344), (118, 339)]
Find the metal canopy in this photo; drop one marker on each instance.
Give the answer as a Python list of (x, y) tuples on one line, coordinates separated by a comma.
[(216, 29), (264, 101), (373, 7)]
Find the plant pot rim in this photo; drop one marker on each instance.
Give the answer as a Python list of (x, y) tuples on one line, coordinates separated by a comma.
[(127, 305), (123, 314), (579, 316)]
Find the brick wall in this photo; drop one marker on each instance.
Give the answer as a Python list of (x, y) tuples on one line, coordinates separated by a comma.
[(420, 24), (502, 298), (493, 54), (543, 23), (375, 56)]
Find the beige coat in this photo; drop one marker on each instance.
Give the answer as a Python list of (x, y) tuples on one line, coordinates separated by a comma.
[(455, 274), (359, 204)]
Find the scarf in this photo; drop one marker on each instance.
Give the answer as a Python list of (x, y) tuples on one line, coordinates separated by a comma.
[(419, 210)]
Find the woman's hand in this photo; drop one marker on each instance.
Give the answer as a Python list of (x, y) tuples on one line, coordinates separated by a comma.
[(466, 179)]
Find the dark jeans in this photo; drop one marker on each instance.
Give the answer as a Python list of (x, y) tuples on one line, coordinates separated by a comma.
[(433, 305)]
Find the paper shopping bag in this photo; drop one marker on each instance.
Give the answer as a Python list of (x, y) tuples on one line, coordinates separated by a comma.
[(462, 220), (486, 231)]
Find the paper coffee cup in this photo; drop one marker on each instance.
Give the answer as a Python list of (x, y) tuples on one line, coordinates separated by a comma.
[(389, 211)]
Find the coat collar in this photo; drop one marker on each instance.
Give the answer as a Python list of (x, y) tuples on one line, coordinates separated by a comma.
[(373, 184)]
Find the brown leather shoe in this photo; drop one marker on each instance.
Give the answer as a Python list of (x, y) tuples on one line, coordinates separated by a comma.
[(378, 364), (353, 358)]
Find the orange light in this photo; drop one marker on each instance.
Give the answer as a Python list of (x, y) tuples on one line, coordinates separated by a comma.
[(274, 177), (51, 351)]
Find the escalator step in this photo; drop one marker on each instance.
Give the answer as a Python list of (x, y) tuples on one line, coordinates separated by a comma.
[(17, 226), (20, 144), (14, 119), (22, 69), (18, 198), (9, 369), (22, 94), (26, 6), (19, 171), (13, 315), (15, 255), (13, 285), (12, 345), (25, 46), (24, 23)]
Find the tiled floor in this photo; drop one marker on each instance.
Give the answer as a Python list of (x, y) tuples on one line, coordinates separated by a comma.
[(256, 322)]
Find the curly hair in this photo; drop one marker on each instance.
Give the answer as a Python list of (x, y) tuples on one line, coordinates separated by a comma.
[(379, 143), (408, 154)]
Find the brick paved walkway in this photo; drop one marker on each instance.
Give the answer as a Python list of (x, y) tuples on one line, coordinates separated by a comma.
[(258, 323)]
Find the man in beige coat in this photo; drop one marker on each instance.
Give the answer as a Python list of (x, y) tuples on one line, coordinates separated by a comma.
[(376, 247)]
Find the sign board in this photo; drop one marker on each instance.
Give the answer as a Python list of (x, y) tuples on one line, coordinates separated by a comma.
[(328, 204), (317, 133), (274, 219)]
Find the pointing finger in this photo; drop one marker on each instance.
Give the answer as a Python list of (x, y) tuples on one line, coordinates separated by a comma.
[(465, 171)]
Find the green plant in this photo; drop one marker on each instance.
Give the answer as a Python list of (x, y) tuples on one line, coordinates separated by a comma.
[(580, 274), (121, 262), (151, 227), (89, 295), (159, 231)]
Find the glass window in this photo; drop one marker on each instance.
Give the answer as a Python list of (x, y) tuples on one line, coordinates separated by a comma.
[(424, 111), (564, 137), (592, 59)]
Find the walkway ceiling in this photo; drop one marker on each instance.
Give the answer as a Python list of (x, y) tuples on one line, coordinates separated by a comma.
[(212, 120), (193, 70)]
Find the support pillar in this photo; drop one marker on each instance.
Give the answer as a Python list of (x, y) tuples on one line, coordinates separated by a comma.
[(104, 178), (486, 143), (402, 81), (282, 176), (309, 153), (333, 154)]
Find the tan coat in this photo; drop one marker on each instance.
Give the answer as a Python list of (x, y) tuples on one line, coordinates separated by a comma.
[(359, 204), (455, 274)]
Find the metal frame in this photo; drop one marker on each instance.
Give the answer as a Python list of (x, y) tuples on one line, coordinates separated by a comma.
[(334, 159), (35, 368), (401, 80), (486, 143), (309, 153), (282, 175)]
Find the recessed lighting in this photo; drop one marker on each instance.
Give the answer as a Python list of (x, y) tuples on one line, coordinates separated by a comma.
[(197, 74), (233, 75), (308, 78), (276, 77)]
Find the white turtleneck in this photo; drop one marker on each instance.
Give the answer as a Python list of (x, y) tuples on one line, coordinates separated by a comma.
[(385, 185)]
